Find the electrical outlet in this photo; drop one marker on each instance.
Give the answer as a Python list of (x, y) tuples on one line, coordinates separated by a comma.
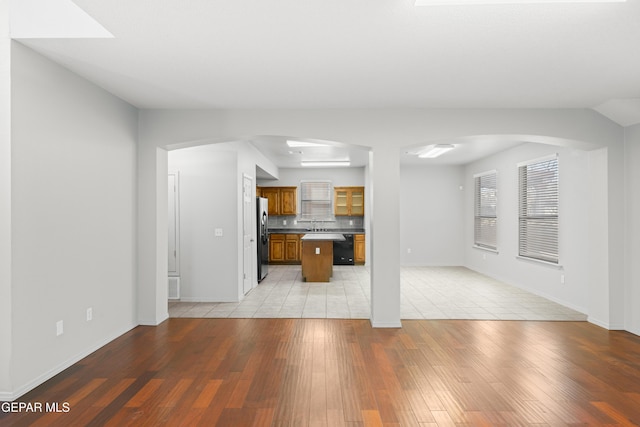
[(562, 279), (59, 328), (484, 256), (284, 222), (350, 222), (89, 314), (317, 251), (218, 232)]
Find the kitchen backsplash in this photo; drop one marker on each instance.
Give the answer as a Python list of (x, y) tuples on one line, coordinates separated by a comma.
[(341, 222)]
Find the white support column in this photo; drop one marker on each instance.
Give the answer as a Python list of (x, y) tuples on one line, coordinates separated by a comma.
[(385, 237), (6, 387), (152, 235)]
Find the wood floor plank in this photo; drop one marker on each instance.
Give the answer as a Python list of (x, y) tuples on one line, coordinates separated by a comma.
[(325, 372), (207, 394)]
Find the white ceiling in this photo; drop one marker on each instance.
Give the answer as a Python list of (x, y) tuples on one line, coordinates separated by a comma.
[(355, 53)]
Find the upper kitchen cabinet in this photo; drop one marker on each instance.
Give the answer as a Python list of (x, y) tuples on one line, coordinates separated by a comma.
[(348, 201), (288, 201), (282, 200)]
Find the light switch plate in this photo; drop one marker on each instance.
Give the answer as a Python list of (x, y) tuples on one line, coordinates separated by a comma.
[(317, 251), (59, 328)]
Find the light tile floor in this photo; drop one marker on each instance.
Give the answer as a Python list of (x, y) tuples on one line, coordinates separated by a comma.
[(426, 293)]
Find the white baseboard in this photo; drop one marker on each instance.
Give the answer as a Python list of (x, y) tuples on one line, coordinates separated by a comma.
[(375, 324), (598, 322), (153, 322), (6, 396), (198, 299), (39, 380), (606, 325)]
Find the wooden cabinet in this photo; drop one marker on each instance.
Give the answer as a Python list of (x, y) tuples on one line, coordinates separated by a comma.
[(292, 246), (288, 201), (358, 248), (285, 248), (276, 248), (348, 201), (282, 200), (273, 196)]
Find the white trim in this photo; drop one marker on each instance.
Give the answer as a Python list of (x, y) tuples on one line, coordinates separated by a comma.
[(176, 218), (41, 379), (154, 322), (478, 175), (539, 160), (199, 299), (597, 322), (375, 324), (482, 248), (539, 261)]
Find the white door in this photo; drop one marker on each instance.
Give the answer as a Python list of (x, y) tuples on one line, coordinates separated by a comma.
[(248, 213), (174, 229)]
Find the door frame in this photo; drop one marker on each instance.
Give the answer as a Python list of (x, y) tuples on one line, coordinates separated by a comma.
[(249, 268)]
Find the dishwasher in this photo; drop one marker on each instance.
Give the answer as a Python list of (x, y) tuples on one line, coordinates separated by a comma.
[(343, 251)]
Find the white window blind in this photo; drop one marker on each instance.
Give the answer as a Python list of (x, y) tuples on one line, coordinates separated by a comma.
[(538, 209), (486, 202), (316, 200)]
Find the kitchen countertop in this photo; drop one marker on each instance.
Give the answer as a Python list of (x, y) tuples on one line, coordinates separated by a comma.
[(322, 236), (328, 230)]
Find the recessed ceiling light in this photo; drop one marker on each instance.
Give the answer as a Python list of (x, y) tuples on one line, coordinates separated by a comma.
[(486, 2), (435, 151), (296, 144), (327, 163)]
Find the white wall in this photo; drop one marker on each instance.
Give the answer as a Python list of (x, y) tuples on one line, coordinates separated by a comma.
[(387, 131), (431, 215), (208, 200), (574, 233), (5, 203), (632, 229), (73, 212), (344, 177)]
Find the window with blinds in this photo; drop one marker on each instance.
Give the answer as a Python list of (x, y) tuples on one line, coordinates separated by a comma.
[(316, 200), (485, 217), (538, 209)]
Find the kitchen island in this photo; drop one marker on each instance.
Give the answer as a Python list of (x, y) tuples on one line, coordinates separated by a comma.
[(317, 256)]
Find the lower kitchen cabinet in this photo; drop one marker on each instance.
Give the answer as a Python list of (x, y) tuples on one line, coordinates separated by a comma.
[(292, 245), (358, 248), (285, 248), (276, 248)]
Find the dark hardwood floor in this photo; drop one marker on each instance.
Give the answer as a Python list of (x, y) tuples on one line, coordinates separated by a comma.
[(322, 372)]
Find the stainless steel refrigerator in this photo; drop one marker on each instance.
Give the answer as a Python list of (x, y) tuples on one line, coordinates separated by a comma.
[(263, 237)]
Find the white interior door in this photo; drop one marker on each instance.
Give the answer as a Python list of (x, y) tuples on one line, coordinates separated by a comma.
[(248, 213), (174, 228)]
